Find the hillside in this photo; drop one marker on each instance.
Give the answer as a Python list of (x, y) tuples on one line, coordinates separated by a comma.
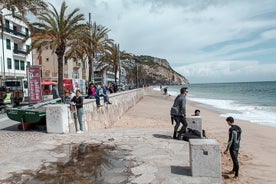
[(158, 71)]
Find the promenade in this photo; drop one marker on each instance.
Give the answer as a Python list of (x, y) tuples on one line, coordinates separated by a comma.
[(141, 140)]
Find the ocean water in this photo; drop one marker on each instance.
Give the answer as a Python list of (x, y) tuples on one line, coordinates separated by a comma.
[(251, 101)]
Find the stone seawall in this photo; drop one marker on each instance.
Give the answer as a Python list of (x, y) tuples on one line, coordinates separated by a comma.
[(94, 117)]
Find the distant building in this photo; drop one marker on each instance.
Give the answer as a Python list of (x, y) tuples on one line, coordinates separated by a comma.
[(13, 58)]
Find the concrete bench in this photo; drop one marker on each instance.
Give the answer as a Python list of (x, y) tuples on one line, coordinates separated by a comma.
[(205, 158)]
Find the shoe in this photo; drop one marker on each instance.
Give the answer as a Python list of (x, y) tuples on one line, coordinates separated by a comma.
[(235, 177), (99, 105), (79, 132), (109, 103)]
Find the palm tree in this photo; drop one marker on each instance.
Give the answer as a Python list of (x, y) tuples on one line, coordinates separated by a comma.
[(100, 41), (111, 59), (57, 30), (95, 36)]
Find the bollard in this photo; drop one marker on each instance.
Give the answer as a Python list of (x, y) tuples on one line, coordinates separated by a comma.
[(205, 158)]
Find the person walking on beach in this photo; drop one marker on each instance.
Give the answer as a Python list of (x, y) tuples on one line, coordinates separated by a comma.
[(233, 144), (78, 102), (178, 113)]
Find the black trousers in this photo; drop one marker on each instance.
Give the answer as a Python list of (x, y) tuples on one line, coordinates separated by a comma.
[(234, 155), (178, 120)]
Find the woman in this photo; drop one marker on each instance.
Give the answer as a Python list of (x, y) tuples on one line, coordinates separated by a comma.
[(78, 102)]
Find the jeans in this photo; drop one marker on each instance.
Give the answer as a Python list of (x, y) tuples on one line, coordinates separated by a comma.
[(178, 120), (234, 155), (80, 113), (98, 100)]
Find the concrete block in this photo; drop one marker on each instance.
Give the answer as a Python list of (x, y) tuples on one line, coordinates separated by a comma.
[(195, 123), (57, 120), (205, 158)]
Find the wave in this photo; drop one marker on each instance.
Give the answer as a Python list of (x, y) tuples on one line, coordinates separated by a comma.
[(256, 114)]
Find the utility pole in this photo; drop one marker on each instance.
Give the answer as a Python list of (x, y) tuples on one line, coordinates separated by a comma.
[(119, 64), (91, 45)]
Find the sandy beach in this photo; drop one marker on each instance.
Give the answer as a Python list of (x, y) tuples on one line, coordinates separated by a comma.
[(257, 152)]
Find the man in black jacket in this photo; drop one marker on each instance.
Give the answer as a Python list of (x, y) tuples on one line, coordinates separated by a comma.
[(178, 113), (78, 102), (233, 144)]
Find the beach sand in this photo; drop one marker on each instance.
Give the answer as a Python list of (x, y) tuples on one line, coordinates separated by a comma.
[(257, 152)]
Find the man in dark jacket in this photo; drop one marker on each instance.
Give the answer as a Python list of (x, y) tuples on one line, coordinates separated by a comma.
[(78, 102), (178, 113), (233, 145)]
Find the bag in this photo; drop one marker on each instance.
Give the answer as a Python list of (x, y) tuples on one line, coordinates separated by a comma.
[(174, 111)]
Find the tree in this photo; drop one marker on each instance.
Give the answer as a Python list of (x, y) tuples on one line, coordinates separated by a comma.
[(100, 41), (88, 44), (111, 59), (57, 30)]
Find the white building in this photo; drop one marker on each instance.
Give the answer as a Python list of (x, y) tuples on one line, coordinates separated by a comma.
[(13, 58)]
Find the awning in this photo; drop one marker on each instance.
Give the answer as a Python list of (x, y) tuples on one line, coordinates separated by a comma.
[(45, 83)]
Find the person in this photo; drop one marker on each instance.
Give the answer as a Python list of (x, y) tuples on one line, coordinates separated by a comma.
[(233, 144), (105, 95), (78, 102), (197, 112), (178, 113), (98, 94), (165, 90), (55, 92), (66, 98)]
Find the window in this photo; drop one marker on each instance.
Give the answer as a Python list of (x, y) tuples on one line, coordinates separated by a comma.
[(9, 63), (26, 31), (27, 48), (16, 64), (8, 42), (7, 24), (22, 65), (28, 64)]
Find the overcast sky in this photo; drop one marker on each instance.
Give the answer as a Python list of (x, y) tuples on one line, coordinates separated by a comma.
[(204, 40)]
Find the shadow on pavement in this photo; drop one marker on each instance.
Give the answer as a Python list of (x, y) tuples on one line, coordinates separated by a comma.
[(162, 136), (181, 170)]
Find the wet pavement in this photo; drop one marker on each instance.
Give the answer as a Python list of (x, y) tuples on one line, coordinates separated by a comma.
[(101, 156)]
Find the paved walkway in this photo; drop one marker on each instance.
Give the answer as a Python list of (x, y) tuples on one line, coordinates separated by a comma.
[(154, 156)]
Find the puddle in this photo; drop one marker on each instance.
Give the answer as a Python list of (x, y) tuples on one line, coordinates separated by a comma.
[(80, 164)]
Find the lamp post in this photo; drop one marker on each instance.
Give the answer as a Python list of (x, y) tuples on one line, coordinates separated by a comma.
[(91, 45)]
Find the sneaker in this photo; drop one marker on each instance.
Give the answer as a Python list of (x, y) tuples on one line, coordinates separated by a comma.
[(99, 105)]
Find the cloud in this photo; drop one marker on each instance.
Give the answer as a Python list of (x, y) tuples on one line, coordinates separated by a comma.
[(227, 71), (191, 33)]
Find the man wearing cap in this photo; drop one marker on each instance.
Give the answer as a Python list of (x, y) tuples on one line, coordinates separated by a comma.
[(178, 113)]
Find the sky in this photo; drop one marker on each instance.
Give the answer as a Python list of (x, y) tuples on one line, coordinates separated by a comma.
[(207, 41)]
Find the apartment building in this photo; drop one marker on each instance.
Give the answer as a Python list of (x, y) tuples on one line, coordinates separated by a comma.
[(13, 58)]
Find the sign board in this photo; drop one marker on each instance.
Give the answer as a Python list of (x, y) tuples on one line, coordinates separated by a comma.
[(35, 90)]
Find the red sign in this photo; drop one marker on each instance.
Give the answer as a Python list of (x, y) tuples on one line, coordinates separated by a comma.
[(34, 78)]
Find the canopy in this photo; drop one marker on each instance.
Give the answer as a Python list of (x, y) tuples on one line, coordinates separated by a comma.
[(48, 83)]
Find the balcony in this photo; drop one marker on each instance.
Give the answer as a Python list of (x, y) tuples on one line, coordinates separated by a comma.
[(14, 32), (16, 51)]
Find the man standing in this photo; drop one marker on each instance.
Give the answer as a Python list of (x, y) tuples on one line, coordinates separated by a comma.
[(233, 144), (178, 113)]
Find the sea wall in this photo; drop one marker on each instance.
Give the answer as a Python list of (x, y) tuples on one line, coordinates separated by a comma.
[(104, 117)]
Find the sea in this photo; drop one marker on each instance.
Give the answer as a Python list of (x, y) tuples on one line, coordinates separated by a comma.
[(251, 101)]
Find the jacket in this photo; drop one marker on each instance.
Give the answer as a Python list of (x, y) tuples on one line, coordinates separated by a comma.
[(179, 106)]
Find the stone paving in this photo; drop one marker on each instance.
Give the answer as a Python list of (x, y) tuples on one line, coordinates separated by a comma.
[(157, 158)]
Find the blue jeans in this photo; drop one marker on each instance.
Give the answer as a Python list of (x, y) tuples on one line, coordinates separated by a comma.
[(80, 113)]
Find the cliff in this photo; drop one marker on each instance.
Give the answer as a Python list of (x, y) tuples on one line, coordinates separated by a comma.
[(158, 71)]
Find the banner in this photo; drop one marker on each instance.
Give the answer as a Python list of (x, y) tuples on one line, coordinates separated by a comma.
[(35, 90)]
